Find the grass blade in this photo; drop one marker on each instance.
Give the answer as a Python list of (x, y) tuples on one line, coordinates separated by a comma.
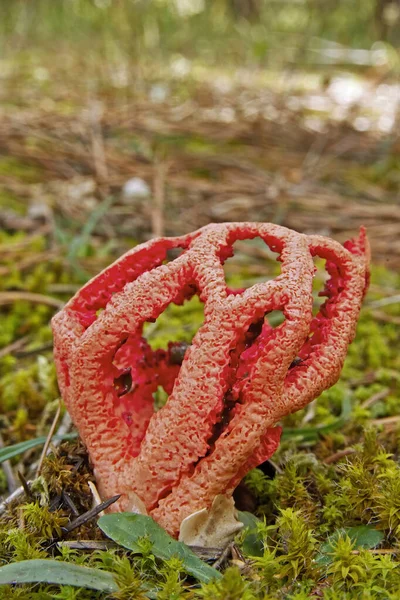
[(61, 573), (11, 451)]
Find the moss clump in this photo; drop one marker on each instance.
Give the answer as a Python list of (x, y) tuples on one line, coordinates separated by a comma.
[(232, 586)]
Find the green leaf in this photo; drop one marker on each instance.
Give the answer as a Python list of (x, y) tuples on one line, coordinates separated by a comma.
[(252, 544), (127, 529), (311, 434), (61, 573), (363, 536), (11, 451)]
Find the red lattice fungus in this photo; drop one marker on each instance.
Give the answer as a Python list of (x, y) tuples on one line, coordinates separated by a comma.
[(236, 380)]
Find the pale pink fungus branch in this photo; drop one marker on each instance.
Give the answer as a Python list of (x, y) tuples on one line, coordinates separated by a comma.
[(238, 378)]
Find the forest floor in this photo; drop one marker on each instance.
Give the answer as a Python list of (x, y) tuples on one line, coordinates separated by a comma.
[(84, 176)]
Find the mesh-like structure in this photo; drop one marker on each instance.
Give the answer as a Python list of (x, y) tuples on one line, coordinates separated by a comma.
[(237, 379)]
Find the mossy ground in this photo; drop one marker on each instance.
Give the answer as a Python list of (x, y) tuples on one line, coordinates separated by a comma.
[(337, 467)]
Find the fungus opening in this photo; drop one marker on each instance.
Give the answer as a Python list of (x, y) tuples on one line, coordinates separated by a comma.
[(275, 318), (319, 282), (160, 398), (326, 285), (173, 253), (177, 324), (247, 262)]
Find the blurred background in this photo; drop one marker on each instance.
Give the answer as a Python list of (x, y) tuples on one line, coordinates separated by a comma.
[(124, 119)]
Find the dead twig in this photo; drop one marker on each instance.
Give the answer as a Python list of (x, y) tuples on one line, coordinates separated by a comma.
[(87, 545), (203, 553), (25, 485), (28, 262), (338, 455), (157, 212), (379, 315), (33, 351), (224, 555), (63, 288), (16, 494), (375, 398), (49, 436), (378, 551), (8, 471), (98, 149), (389, 300), (65, 426), (69, 502), (10, 348), (11, 297), (90, 514), (389, 422)]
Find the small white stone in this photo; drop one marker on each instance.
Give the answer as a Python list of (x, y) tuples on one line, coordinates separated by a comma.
[(158, 93), (136, 188)]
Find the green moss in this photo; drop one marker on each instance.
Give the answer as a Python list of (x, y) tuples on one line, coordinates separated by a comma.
[(232, 586), (3, 482), (41, 522), (297, 542), (31, 387), (21, 546), (128, 579), (25, 172), (10, 202)]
